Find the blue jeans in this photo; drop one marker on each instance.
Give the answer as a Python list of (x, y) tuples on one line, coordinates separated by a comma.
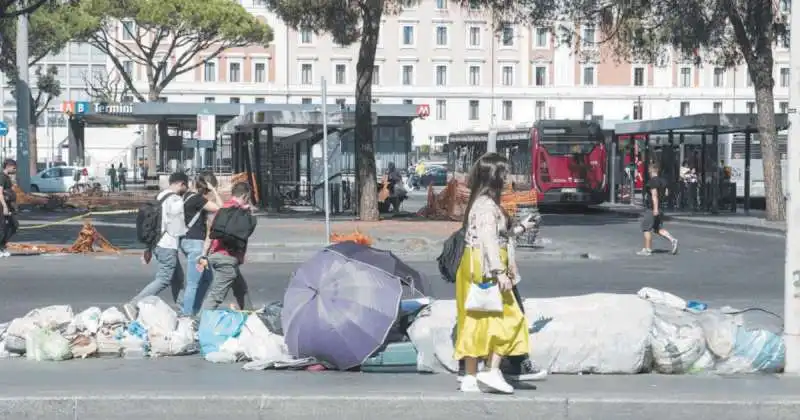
[(168, 274), (196, 281)]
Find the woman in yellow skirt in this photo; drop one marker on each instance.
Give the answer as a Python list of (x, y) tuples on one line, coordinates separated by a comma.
[(489, 257)]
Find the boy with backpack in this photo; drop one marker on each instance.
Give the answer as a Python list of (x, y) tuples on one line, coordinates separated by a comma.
[(160, 226), (226, 247)]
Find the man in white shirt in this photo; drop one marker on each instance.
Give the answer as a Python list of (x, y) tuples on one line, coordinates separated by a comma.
[(173, 227)]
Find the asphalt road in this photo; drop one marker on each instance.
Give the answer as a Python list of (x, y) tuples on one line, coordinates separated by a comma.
[(714, 265)]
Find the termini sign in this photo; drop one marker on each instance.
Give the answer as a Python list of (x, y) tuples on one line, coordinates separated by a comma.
[(78, 108)]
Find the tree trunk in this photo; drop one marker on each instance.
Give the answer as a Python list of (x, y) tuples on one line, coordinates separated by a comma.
[(366, 176), (150, 133), (770, 155)]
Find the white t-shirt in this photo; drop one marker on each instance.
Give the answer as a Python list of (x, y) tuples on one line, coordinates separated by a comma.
[(173, 224)]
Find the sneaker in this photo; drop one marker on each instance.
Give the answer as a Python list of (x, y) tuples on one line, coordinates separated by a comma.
[(492, 381), (4, 253), (526, 371), (674, 246), (469, 384), (131, 311), (645, 252)]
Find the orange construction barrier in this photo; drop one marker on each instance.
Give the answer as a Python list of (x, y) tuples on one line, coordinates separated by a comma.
[(356, 237)]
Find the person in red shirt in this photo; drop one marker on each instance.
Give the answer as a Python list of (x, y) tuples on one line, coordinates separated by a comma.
[(224, 263)]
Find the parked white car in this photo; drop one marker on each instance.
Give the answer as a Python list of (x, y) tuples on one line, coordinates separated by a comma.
[(58, 179)]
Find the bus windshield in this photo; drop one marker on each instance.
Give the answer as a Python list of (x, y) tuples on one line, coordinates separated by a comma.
[(562, 146)]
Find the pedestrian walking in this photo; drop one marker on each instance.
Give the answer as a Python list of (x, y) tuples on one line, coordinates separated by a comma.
[(122, 173), (8, 202), (199, 207), (112, 178), (162, 228), (488, 267), (652, 219), (232, 226)]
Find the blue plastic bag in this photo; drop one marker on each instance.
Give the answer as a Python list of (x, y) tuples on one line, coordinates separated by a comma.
[(218, 326)]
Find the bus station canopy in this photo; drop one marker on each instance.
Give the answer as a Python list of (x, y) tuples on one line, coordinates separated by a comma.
[(699, 124)]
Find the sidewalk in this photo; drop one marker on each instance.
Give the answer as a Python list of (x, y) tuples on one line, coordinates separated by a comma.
[(754, 222), (190, 388)]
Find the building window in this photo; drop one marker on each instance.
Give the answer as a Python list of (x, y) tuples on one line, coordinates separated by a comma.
[(507, 35), (588, 36), (540, 108), (341, 74), (441, 36), (717, 107), (260, 100), (474, 75), (508, 110), (785, 80), (684, 109), (588, 76), (588, 109), (541, 37), (408, 75), (306, 74), (305, 101), (783, 107), (784, 40), (376, 75), (127, 68), (508, 75), (408, 101), (637, 111), (441, 109), (408, 35), (441, 75), (235, 100), (260, 73), (210, 71), (474, 36), (540, 76), (751, 107), (441, 4), (306, 36), (209, 99), (719, 77), (128, 30), (638, 76), (686, 77), (234, 72), (474, 110)]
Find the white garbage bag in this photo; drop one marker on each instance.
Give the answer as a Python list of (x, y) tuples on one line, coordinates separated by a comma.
[(421, 334), (157, 316), (52, 317), (661, 298), (86, 321), (720, 330), (754, 351), (20, 327), (676, 339), (596, 333), (177, 343), (257, 342), (108, 342), (703, 364), (42, 344), (112, 316), (229, 352)]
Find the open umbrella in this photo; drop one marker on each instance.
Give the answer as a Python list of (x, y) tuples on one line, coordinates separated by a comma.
[(339, 306)]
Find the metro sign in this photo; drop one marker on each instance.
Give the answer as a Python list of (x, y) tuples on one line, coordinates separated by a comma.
[(423, 111)]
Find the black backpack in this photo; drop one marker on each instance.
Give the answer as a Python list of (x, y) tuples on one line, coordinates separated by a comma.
[(148, 222), (233, 226), (450, 258)]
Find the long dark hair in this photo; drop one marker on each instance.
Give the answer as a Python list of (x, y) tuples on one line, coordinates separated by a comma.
[(487, 177), (203, 181)]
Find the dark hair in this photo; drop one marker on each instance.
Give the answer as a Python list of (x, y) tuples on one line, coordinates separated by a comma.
[(9, 162), (178, 177), (241, 189), (203, 181), (487, 177)]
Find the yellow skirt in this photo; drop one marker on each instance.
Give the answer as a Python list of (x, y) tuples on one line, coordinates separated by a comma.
[(482, 333)]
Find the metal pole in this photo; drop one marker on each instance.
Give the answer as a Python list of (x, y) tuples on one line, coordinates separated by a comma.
[(23, 105), (791, 304), (613, 173), (52, 141), (325, 161), (491, 142), (747, 156)]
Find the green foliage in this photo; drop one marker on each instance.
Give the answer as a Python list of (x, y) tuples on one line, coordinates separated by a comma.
[(10, 9), (167, 36)]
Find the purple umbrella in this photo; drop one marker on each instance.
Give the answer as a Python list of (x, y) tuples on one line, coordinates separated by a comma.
[(339, 309)]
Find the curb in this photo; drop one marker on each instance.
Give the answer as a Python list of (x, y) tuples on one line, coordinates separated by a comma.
[(705, 223), (463, 407)]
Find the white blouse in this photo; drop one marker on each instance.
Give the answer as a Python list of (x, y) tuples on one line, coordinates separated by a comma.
[(487, 231)]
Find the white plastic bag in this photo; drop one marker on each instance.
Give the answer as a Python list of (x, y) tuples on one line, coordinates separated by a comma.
[(661, 298), (178, 342), (52, 317), (422, 333), (755, 351), (720, 330), (676, 339), (157, 316), (42, 344), (112, 316), (86, 321), (20, 327), (704, 364), (229, 352), (257, 342)]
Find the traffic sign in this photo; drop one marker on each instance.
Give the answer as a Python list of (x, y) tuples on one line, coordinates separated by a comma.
[(3, 129)]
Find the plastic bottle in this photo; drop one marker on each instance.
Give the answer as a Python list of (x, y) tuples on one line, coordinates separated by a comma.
[(696, 306)]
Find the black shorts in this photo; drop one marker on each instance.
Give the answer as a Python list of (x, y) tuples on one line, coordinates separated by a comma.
[(651, 222)]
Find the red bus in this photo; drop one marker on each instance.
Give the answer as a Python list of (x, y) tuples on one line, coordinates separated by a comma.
[(564, 161)]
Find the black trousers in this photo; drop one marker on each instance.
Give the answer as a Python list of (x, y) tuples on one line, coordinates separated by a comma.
[(8, 227)]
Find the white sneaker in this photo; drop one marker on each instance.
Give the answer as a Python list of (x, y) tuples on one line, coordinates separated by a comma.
[(645, 252), (469, 384), (4, 253), (493, 381)]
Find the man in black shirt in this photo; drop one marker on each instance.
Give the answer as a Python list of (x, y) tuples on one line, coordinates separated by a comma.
[(652, 221), (8, 198)]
